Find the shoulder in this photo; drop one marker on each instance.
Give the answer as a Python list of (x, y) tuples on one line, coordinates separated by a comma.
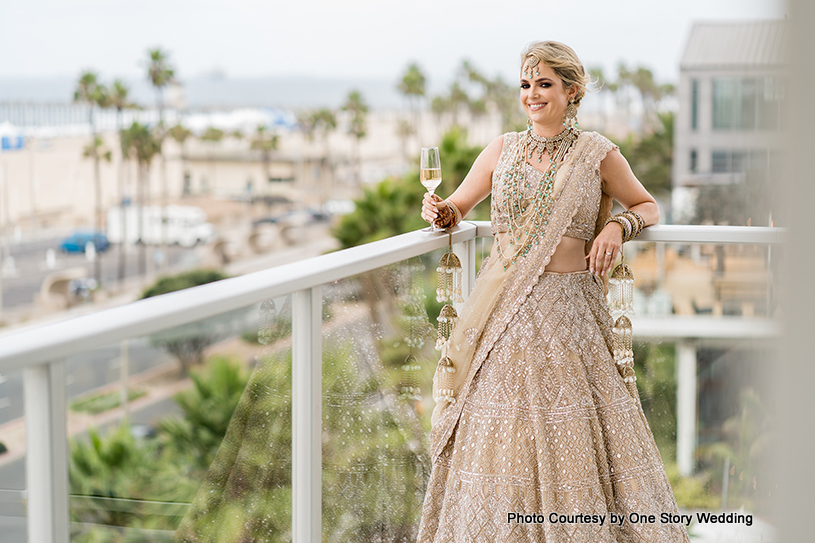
[(600, 150), (599, 141), (496, 147)]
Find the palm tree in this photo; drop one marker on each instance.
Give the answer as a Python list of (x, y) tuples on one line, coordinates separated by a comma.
[(91, 92), (145, 145), (458, 97), (265, 142), (356, 106), (412, 86), (118, 98), (161, 74), (180, 135), (325, 122)]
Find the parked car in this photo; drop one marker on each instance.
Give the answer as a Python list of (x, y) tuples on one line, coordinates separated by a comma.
[(78, 241)]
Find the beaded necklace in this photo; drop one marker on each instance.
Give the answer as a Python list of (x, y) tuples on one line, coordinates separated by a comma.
[(527, 217)]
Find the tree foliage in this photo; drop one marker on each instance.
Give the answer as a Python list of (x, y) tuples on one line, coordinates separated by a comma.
[(651, 156), (187, 342), (392, 206)]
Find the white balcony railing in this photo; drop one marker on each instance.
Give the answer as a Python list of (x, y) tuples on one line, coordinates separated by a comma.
[(41, 353)]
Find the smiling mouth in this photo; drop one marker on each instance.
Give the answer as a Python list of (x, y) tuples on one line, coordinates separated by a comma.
[(535, 107)]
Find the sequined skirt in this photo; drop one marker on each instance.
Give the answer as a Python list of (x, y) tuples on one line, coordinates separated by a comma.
[(550, 442)]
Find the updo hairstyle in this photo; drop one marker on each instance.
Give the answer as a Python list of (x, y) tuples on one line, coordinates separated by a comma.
[(563, 61)]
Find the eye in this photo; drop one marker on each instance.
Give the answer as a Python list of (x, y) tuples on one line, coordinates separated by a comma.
[(524, 85), (546, 85)]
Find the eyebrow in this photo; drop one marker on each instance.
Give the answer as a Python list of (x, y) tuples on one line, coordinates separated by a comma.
[(538, 79)]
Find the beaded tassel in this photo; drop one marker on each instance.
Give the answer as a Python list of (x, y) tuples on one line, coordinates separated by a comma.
[(621, 289), (447, 319), (621, 292), (409, 388), (450, 273), (449, 290), (268, 312)]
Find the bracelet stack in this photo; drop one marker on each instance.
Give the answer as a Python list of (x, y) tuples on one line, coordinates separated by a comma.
[(631, 222), (449, 220)]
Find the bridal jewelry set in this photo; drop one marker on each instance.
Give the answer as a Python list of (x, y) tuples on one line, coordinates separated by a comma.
[(527, 217)]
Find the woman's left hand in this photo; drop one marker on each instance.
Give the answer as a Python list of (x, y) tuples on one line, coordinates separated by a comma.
[(604, 250)]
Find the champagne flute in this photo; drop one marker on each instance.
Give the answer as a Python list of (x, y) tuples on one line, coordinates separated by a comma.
[(430, 174)]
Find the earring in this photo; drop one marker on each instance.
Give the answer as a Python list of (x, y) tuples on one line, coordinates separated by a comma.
[(570, 117), (528, 123)]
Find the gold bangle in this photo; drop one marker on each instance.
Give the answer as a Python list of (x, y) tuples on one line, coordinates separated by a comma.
[(456, 212)]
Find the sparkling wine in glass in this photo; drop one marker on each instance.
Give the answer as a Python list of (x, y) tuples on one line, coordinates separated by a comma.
[(430, 174)]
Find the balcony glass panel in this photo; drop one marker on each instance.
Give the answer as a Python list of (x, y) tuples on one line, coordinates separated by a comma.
[(138, 479), (13, 458), (378, 363)]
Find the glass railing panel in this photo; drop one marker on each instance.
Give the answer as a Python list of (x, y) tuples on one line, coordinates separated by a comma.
[(12, 457), (378, 361), (194, 450), (710, 308), (728, 280)]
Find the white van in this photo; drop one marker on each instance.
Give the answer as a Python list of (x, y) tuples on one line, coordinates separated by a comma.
[(186, 225)]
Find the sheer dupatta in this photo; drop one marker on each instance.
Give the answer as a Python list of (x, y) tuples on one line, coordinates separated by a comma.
[(499, 292)]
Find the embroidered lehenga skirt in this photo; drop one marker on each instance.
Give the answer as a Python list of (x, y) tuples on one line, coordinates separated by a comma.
[(549, 440)]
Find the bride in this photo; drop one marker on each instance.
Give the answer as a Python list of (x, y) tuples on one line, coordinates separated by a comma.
[(538, 435)]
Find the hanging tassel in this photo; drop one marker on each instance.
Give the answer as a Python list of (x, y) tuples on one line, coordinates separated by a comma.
[(449, 290), (447, 319), (446, 371), (621, 289), (268, 312), (621, 292), (450, 274), (409, 387)]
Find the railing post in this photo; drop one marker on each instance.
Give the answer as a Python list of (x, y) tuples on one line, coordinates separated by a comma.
[(307, 423), (685, 405), (46, 453)]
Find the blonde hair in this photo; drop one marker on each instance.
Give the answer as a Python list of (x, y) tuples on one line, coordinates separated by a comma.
[(563, 61)]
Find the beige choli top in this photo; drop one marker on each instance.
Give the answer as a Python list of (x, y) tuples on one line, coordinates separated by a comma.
[(583, 222)]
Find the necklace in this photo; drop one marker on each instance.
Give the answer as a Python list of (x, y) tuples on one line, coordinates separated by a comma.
[(538, 144), (527, 218)]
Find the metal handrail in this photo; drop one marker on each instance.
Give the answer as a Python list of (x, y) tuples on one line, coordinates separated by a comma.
[(40, 344)]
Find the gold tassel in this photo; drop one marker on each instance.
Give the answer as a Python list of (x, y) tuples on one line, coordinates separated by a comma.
[(450, 274), (621, 291), (409, 388), (445, 392), (448, 290), (447, 319)]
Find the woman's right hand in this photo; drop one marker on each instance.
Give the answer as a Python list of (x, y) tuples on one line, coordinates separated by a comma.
[(429, 210)]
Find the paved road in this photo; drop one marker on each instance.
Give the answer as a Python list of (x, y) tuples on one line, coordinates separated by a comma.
[(30, 267), (83, 373)]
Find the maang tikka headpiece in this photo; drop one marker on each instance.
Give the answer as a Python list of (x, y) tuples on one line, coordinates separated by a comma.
[(530, 65)]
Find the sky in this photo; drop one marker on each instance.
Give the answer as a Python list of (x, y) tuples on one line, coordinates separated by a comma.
[(367, 39)]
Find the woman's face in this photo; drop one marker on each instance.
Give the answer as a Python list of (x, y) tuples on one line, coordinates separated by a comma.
[(543, 96)]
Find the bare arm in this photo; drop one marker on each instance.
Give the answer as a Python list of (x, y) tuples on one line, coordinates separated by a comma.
[(620, 183), (475, 187)]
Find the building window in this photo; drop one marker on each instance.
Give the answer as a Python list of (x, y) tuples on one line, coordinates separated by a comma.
[(694, 105), (720, 162), (743, 103), (740, 161), (694, 160)]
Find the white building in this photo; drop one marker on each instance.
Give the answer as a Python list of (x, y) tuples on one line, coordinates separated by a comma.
[(730, 91)]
